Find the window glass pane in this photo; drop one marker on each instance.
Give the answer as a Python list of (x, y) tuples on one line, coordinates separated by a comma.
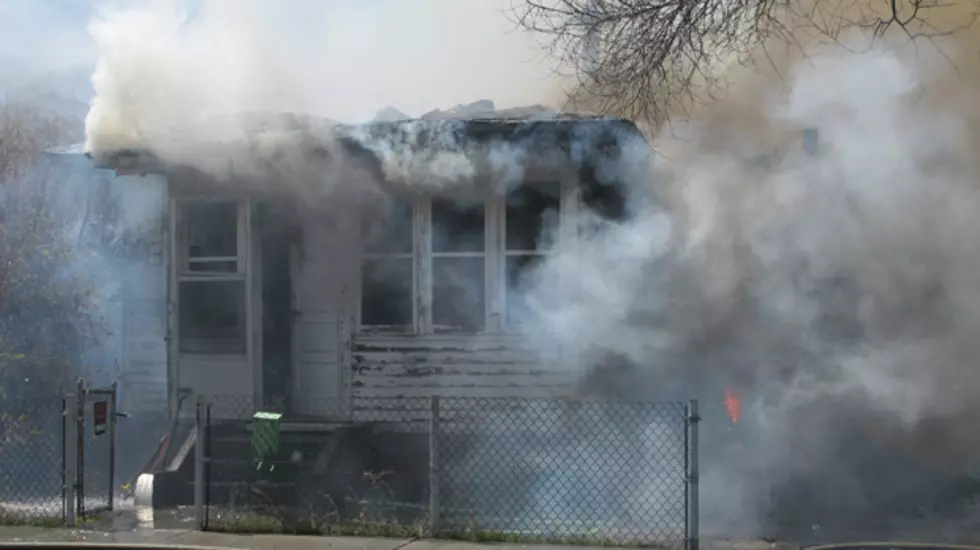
[(386, 292), (212, 229), (213, 267), (458, 293), (212, 316), (532, 216), (520, 270), (457, 228), (392, 234)]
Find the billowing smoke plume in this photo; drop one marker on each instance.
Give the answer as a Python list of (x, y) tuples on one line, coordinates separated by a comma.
[(837, 291), (168, 70)]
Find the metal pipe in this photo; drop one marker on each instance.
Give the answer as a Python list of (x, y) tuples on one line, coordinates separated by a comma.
[(693, 505), (112, 444), (434, 466), (200, 459), (80, 391), (70, 458)]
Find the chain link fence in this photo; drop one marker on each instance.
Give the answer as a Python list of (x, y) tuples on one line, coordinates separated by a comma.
[(535, 470), (57, 457), (31, 460)]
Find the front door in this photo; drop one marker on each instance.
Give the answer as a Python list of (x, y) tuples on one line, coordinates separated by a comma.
[(316, 382)]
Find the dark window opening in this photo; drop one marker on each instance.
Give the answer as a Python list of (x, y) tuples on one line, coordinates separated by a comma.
[(212, 316), (277, 234), (458, 266), (457, 228), (393, 234), (532, 220), (532, 217), (387, 272), (458, 293), (212, 229), (210, 232), (605, 200), (386, 296)]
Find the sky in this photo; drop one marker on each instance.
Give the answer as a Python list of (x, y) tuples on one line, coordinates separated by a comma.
[(353, 56)]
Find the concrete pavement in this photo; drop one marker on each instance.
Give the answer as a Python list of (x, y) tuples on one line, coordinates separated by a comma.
[(189, 538)]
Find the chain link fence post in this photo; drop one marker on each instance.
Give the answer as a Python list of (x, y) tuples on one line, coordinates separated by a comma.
[(70, 451), (200, 460), (434, 466), (79, 418), (112, 417), (691, 419)]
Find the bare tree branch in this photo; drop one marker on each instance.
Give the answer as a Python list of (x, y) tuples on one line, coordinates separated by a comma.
[(640, 57)]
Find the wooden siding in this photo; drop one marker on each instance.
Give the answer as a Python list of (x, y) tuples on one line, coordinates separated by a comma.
[(401, 373), (144, 381)]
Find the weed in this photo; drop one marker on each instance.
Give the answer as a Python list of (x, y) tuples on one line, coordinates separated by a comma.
[(250, 522), (25, 520)]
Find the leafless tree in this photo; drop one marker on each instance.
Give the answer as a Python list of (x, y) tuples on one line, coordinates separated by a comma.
[(46, 301), (636, 57)]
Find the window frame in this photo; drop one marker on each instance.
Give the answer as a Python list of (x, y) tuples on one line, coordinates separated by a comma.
[(183, 273), (567, 202), (495, 263), (413, 326), (431, 255)]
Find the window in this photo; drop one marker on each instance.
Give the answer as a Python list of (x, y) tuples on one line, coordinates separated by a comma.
[(531, 230), (212, 237), (438, 266), (458, 266), (388, 269), (211, 275)]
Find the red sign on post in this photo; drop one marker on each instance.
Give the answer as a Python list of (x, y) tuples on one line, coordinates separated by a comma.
[(100, 417)]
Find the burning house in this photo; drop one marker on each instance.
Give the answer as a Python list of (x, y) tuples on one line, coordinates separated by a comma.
[(330, 271), (324, 271), (398, 277)]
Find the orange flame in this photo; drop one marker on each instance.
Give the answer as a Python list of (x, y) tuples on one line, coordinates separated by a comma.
[(733, 405)]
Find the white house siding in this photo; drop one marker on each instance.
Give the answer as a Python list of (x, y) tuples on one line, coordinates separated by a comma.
[(130, 277), (144, 378), (400, 374), (144, 375)]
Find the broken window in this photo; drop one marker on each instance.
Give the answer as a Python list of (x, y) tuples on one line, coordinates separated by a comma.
[(458, 266), (388, 269), (531, 233), (211, 277)]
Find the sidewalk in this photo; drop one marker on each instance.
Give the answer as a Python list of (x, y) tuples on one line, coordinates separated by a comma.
[(187, 538)]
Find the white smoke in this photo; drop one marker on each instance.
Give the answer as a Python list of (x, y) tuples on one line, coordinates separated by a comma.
[(839, 293), (166, 69)]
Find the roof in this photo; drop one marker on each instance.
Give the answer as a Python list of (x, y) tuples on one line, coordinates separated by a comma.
[(410, 150), (579, 136)]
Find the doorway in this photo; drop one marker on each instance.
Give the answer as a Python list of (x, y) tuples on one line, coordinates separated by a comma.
[(276, 233)]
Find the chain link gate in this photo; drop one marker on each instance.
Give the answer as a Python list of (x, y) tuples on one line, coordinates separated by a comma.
[(90, 451)]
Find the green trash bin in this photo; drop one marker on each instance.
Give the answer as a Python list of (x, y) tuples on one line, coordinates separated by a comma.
[(265, 435)]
